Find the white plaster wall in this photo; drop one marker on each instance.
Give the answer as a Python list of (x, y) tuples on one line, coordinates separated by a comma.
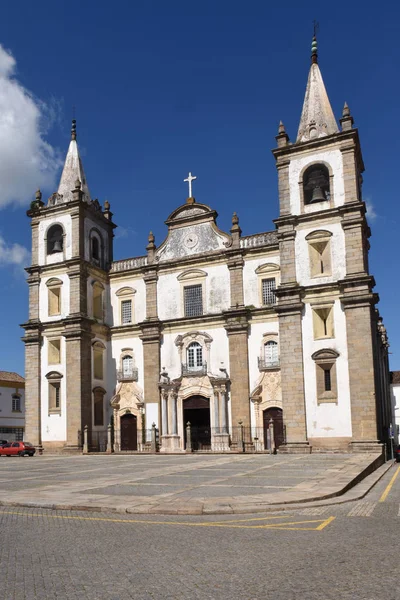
[(217, 292), (114, 360), (335, 160), (44, 298), (54, 427), (88, 226), (327, 419), (8, 418), (257, 331), (66, 222), (251, 279), (338, 255), (139, 299)]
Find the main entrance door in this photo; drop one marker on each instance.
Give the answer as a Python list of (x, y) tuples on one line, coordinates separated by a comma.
[(128, 432), (196, 411), (277, 416)]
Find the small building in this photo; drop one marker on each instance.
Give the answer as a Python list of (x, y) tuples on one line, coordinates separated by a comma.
[(12, 406)]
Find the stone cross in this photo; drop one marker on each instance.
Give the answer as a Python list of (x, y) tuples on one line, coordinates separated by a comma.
[(189, 180)]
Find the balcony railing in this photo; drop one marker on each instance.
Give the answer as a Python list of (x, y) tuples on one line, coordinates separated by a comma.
[(266, 364), (128, 375), (194, 371)]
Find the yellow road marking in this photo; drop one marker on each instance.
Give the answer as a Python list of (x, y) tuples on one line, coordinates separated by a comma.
[(227, 524), (389, 487)]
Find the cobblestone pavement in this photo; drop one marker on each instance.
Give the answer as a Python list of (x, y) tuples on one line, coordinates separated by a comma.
[(189, 483), (344, 552)]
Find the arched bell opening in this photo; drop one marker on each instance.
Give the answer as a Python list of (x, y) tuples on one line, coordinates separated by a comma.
[(316, 184)]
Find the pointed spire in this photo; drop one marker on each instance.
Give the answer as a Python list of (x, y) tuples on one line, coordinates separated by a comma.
[(347, 120), (282, 138), (73, 171), (317, 118)]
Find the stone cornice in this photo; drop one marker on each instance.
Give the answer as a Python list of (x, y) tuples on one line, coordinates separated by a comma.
[(151, 331), (236, 320)]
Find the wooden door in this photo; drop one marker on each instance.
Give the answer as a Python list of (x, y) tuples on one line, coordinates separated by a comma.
[(128, 432)]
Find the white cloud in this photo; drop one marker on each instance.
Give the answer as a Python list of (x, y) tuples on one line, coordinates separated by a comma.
[(27, 161), (13, 254), (372, 215)]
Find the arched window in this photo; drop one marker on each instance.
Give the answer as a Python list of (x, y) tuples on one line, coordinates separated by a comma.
[(316, 184), (55, 239), (127, 365), (98, 362), (194, 356), (95, 249), (271, 356)]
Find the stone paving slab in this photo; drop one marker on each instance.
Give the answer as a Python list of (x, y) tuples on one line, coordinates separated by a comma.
[(213, 484)]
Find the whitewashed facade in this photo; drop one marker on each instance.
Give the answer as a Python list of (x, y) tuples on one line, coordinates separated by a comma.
[(12, 406), (250, 339)]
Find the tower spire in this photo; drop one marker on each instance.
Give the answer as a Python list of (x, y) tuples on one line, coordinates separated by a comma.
[(317, 118), (72, 171)]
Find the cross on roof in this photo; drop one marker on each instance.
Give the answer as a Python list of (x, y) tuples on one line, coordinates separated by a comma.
[(189, 179)]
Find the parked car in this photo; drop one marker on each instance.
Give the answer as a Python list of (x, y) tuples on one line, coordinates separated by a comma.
[(397, 453), (17, 449)]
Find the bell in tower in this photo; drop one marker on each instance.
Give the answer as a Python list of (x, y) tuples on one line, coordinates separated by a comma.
[(316, 184)]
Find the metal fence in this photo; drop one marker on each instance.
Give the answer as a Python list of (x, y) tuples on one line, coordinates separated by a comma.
[(196, 439)]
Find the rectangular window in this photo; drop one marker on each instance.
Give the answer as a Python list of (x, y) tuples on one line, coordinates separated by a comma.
[(54, 354), (268, 291), (16, 403), (54, 301), (193, 300), (327, 380), (323, 322), (126, 311), (54, 397)]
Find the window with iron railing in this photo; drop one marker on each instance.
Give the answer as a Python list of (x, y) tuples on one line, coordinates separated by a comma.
[(193, 300), (268, 291)]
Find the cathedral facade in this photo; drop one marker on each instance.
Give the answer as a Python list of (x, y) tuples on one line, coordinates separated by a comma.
[(213, 340)]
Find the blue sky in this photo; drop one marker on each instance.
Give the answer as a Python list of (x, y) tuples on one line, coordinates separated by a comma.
[(163, 88)]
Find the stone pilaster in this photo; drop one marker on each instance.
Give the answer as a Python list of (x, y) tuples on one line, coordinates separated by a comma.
[(32, 341), (150, 279), (79, 381), (289, 309), (33, 283), (283, 186), (286, 238), (78, 289), (358, 302), (235, 266), (356, 234), (151, 336), (351, 173), (236, 325)]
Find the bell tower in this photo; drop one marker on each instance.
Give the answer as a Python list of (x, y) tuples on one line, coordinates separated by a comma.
[(325, 300), (72, 245)]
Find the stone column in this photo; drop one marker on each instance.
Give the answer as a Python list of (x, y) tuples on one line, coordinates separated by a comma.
[(164, 411), (236, 325), (223, 411), (216, 410), (172, 399)]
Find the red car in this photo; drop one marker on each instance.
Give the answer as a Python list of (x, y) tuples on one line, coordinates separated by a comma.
[(17, 449)]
